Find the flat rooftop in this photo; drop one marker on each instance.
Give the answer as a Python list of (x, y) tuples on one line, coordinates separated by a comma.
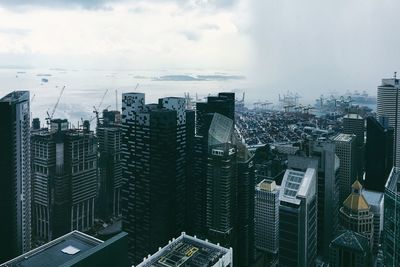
[(343, 137), (56, 252), (187, 251)]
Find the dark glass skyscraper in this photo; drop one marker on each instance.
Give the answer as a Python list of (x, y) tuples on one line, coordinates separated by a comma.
[(379, 155), (154, 172), (110, 167), (15, 175), (391, 225)]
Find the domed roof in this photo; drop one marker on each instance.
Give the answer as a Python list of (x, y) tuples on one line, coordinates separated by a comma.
[(356, 201)]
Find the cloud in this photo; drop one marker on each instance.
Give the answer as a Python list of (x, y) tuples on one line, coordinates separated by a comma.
[(209, 27), (191, 35), (15, 31), (86, 4), (107, 4)]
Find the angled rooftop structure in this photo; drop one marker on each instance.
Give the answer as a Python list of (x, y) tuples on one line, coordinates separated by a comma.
[(352, 241), (356, 201), (75, 249), (296, 184), (186, 251)]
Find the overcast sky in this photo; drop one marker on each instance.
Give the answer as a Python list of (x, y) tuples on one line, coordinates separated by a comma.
[(304, 46)]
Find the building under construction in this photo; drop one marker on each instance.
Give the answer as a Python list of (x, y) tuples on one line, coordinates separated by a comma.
[(64, 179)]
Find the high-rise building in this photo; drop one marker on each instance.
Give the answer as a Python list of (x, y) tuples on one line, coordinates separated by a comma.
[(221, 192), (350, 249), (222, 104), (355, 214), (15, 179), (346, 150), (76, 249), (354, 123), (154, 172), (391, 225), (267, 219), (298, 218), (375, 202), (245, 205), (64, 180), (110, 168), (378, 155), (388, 108), (190, 251), (321, 155)]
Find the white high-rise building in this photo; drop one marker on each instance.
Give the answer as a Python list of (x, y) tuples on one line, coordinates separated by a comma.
[(388, 107)]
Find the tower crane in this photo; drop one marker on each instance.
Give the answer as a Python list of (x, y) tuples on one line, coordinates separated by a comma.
[(50, 116)]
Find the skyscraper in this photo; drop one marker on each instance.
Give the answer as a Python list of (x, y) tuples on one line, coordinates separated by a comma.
[(267, 219), (346, 150), (355, 124), (222, 104), (375, 202), (355, 215), (388, 107), (64, 177), (350, 249), (298, 218), (391, 225), (110, 168), (154, 172), (15, 178), (321, 155), (245, 205), (378, 155), (221, 192)]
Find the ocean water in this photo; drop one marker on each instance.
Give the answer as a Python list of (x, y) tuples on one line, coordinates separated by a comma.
[(85, 88)]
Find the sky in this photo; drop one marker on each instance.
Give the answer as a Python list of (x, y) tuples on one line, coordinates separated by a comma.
[(113, 34), (309, 46)]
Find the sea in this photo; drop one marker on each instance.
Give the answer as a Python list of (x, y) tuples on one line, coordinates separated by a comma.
[(85, 89)]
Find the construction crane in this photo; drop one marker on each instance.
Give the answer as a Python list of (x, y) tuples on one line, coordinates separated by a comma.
[(50, 116), (116, 100), (102, 99)]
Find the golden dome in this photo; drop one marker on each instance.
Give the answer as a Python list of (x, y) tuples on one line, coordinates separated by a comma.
[(356, 201)]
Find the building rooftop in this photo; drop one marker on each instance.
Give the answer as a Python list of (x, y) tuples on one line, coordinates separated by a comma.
[(268, 186), (188, 251), (57, 252), (392, 184), (351, 240), (356, 201), (343, 137), (16, 96), (353, 116), (296, 184)]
